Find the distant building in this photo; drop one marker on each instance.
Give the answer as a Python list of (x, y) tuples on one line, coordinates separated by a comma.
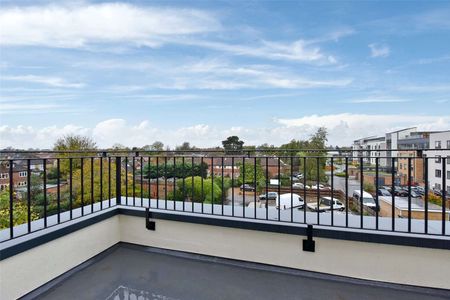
[(408, 161), (438, 141), (407, 147), (19, 175), (370, 148), (392, 143)]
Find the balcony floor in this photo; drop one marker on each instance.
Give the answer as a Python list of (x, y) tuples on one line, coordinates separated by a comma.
[(136, 272)]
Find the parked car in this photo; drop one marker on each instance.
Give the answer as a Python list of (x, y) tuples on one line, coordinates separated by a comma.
[(325, 204), (400, 192), (270, 196), (415, 194), (287, 201), (383, 192), (437, 192), (366, 199), (419, 190), (319, 187), (299, 185), (247, 188), (297, 174)]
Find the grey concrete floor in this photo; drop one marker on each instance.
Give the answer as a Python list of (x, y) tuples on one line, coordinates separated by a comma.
[(135, 272)]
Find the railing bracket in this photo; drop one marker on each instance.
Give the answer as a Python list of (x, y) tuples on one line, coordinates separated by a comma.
[(308, 244), (149, 224)]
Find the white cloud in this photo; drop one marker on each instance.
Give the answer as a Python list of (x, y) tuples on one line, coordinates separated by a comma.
[(30, 137), (379, 100), (434, 19), (46, 80), (221, 74), (300, 50), (379, 50), (346, 127), (215, 74), (122, 25), (83, 25), (18, 107), (436, 88), (342, 128)]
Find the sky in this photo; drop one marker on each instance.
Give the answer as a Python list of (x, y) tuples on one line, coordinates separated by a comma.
[(134, 72)]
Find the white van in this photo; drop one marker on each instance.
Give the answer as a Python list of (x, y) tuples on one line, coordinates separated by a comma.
[(367, 199), (326, 204), (285, 200)]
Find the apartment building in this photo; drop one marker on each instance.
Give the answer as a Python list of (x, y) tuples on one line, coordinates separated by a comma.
[(410, 154), (409, 161), (438, 168), (370, 148), (407, 146), (392, 142)]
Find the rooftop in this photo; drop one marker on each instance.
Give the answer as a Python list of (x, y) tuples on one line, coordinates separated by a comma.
[(128, 271)]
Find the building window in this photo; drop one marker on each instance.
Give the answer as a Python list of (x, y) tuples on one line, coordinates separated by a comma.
[(22, 183), (23, 174), (4, 175), (448, 174), (438, 173), (448, 144), (3, 186), (437, 144), (437, 186), (438, 159)]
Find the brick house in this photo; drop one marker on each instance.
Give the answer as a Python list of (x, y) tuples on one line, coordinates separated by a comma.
[(19, 175)]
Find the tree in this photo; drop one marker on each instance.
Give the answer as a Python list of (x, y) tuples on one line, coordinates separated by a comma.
[(232, 144), (77, 182), (72, 143), (157, 146), (313, 162), (249, 174), (209, 192), (186, 146), (177, 170), (313, 166), (118, 146), (20, 211), (319, 139)]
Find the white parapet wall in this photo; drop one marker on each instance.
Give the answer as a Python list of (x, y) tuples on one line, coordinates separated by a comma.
[(380, 262), (28, 270), (21, 273)]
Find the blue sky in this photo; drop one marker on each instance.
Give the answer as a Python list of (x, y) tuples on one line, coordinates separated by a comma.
[(139, 71)]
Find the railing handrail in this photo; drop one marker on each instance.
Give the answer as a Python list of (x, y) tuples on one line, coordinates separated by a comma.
[(242, 151)]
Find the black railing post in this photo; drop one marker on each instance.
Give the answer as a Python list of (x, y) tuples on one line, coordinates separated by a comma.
[(118, 181), (11, 199), (309, 244)]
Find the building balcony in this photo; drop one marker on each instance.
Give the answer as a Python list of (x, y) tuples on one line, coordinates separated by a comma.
[(160, 226)]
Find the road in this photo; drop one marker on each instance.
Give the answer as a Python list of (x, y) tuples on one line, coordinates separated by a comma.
[(339, 184)]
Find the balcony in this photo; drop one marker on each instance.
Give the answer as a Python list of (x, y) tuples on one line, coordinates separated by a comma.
[(122, 225)]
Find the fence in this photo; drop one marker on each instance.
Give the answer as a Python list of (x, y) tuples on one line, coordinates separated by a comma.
[(44, 189)]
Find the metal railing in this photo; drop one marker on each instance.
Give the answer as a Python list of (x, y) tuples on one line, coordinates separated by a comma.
[(399, 194)]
